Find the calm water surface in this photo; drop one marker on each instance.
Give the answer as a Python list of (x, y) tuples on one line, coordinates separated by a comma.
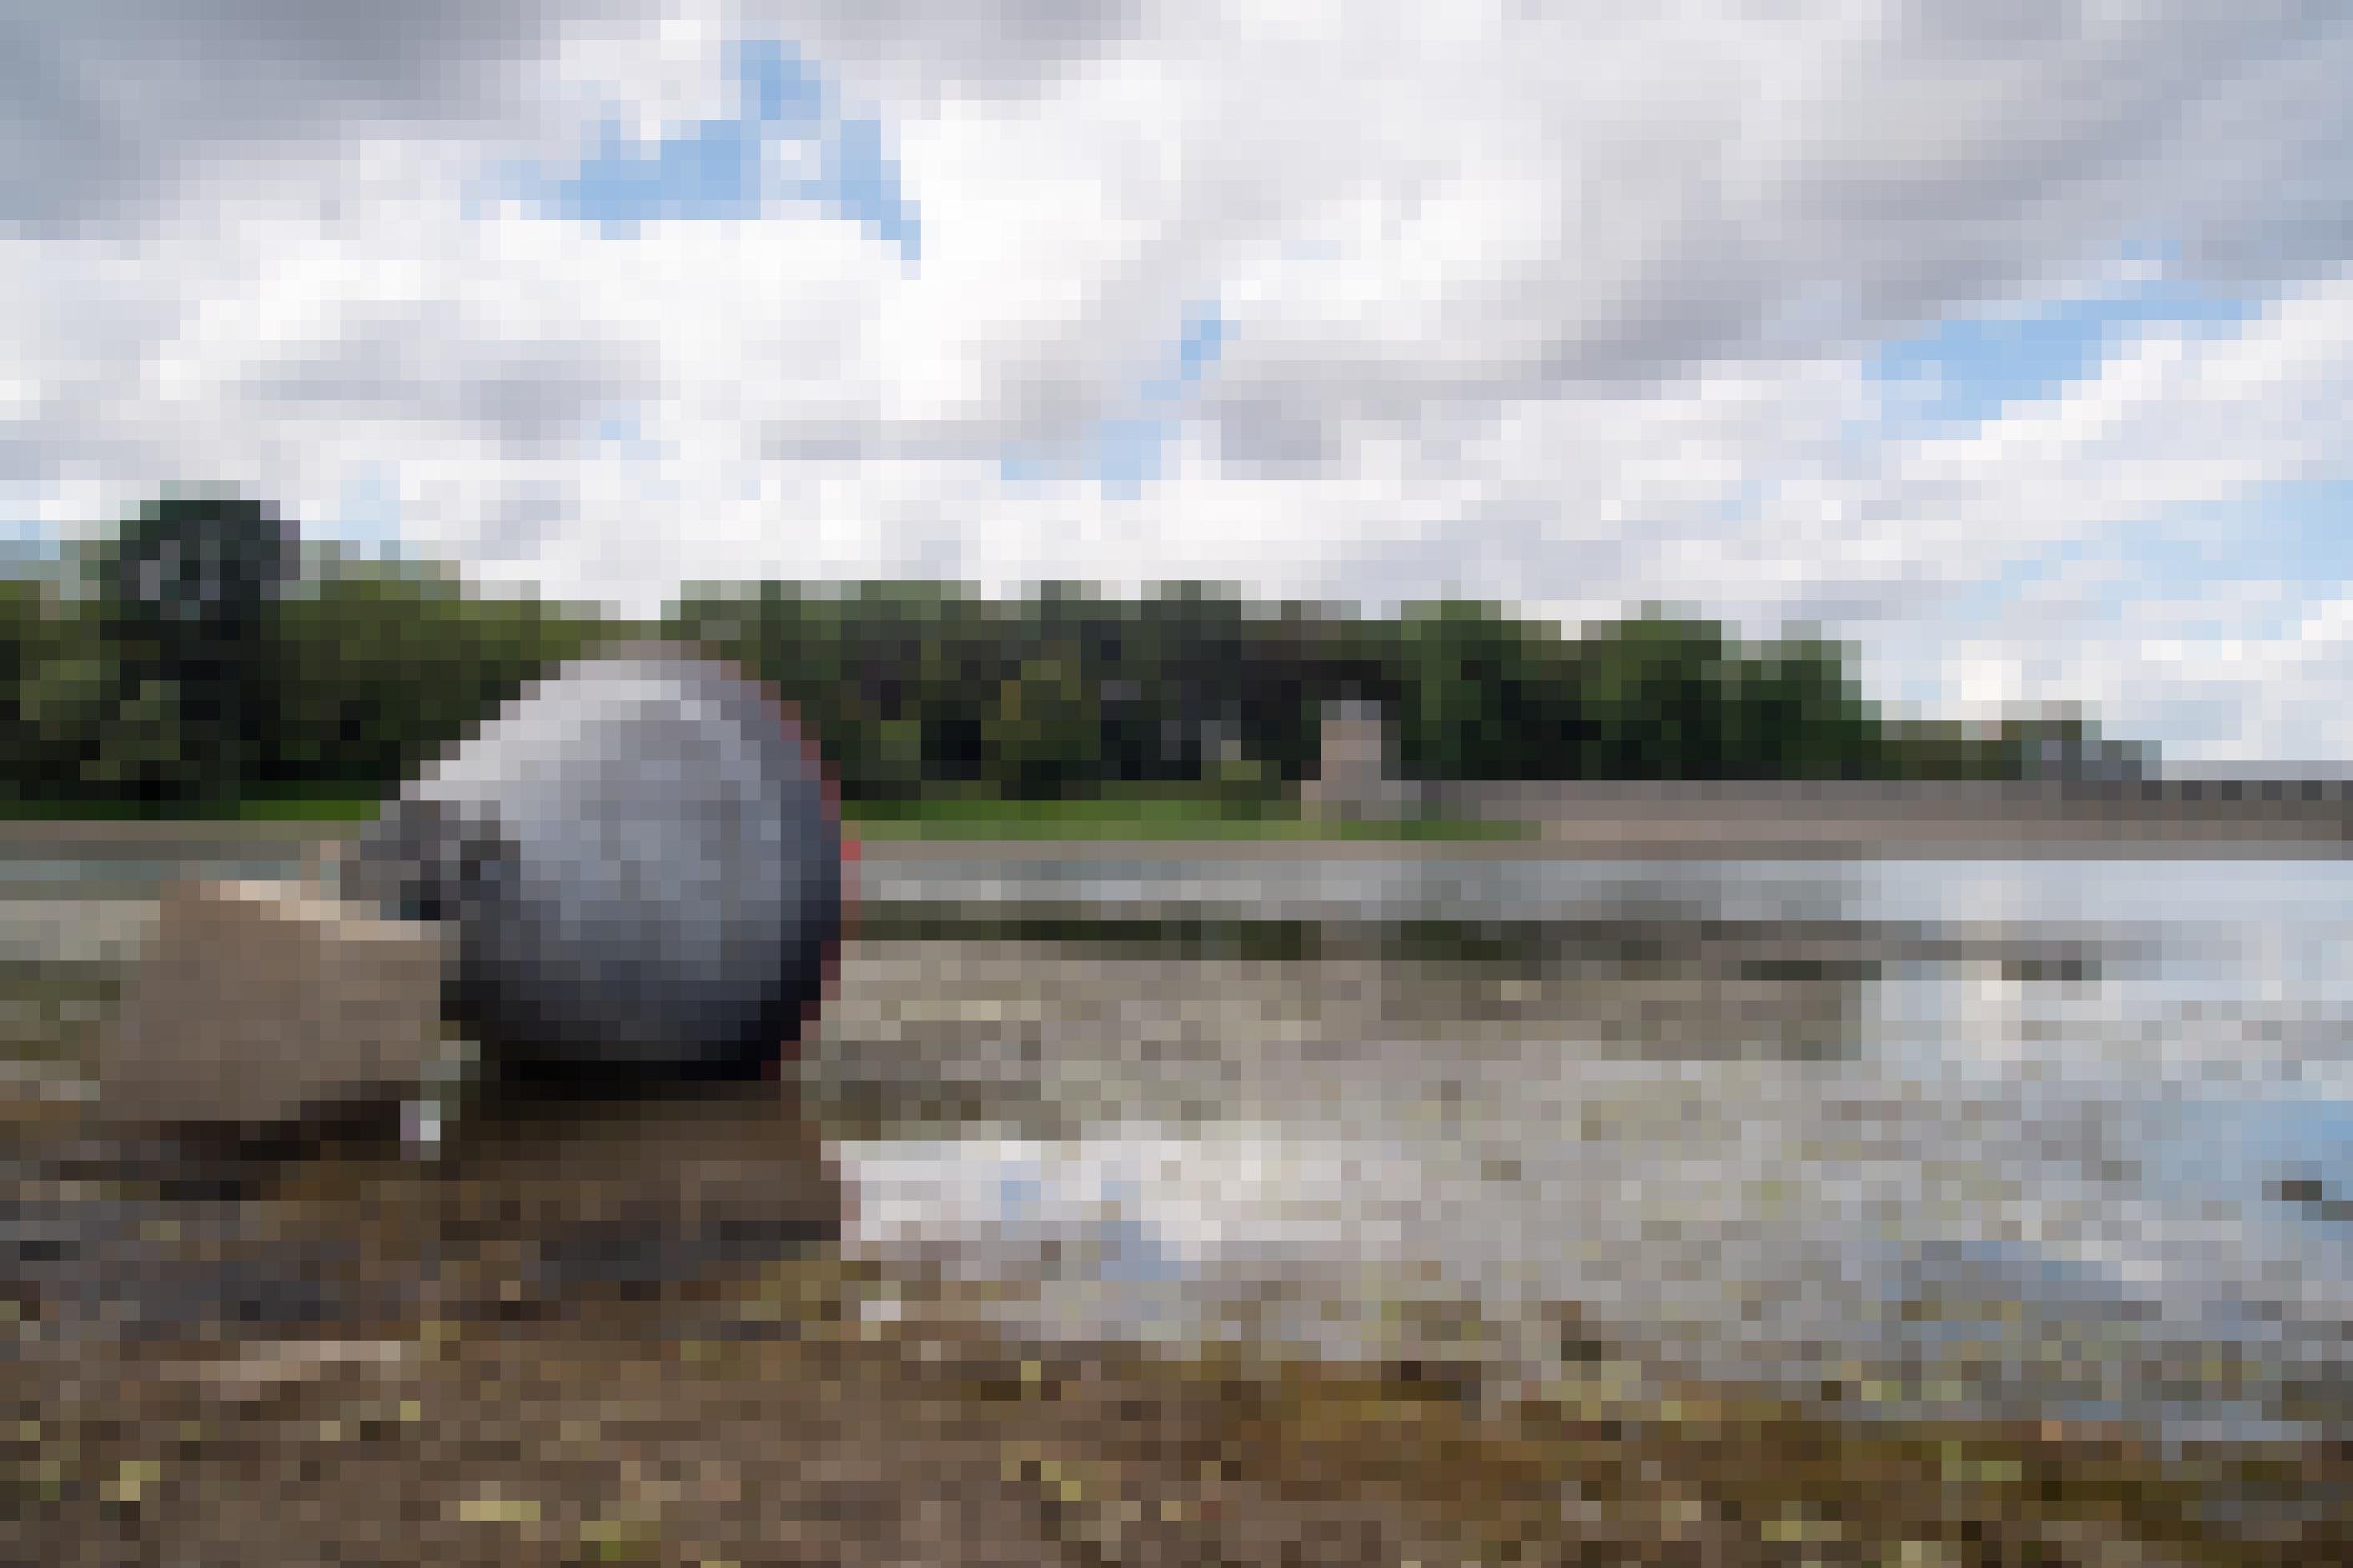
[(2064, 1138)]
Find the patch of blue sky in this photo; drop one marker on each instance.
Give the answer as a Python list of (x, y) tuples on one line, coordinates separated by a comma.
[(738, 167), (1124, 452), (1968, 369), (623, 427), (619, 431), (711, 170), (1984, 604), (857, 179), (367, 512), (2296, 533), (1024, 467), (780, 89), (2248, 568), (1203, 338), (28, 548)]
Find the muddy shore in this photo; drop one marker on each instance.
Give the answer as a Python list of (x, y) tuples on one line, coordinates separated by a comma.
[(804, 1410), (629, 1335), (786, 1419), (633, 1337)]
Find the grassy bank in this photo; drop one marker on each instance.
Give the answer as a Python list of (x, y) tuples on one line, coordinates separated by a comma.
[(289, 807), (1137, 814)]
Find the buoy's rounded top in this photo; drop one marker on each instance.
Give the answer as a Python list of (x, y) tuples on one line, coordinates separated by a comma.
[(640, 857)]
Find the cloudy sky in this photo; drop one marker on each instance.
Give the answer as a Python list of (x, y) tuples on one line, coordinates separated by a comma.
[(2009, 341)]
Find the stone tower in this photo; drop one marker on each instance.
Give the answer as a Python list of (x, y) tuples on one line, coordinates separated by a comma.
[(1355, 778)]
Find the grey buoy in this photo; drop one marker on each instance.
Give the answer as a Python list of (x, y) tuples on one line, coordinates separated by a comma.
[(639, 863)]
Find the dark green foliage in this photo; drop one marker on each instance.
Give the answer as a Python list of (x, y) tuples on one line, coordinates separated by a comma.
[(395, 664), (196, 668), (186, 593), (1657, 697), (192, 665), (917, 688)]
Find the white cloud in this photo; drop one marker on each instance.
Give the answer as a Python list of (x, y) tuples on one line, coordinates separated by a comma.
[(1552, 303), (2141, 451)]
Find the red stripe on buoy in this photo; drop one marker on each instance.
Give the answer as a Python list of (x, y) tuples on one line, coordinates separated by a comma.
[(788, 717)]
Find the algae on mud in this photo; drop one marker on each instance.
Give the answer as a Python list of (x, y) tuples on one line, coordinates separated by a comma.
[(791, 1418)]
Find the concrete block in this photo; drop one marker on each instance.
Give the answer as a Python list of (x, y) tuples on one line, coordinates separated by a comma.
[(257, 1001)]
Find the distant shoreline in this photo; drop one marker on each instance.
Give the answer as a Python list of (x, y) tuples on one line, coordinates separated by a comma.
[(1614, 830)]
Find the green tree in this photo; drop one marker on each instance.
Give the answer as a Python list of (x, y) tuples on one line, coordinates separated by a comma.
[(395, 664), (187, 592), (1794, 712), (1486, 695), (1043, 737)]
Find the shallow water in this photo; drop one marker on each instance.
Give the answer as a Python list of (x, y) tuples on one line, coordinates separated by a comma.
[(2050, 1138), (2043, 1138)]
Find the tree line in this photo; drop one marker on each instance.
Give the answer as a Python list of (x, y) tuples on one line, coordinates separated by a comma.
[(200, 656)]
